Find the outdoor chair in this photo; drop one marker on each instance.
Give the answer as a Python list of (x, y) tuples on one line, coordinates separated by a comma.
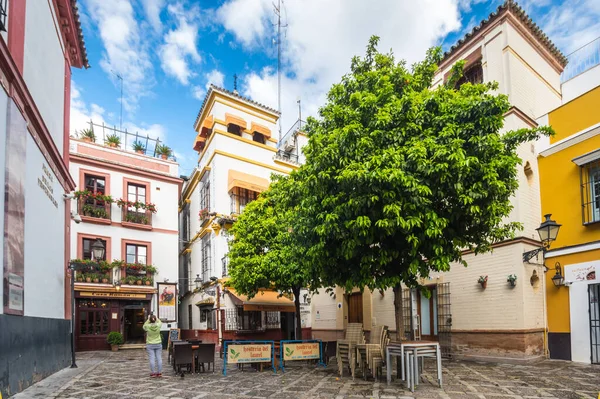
[(329, 350), (182, 356), (170, 350), (364, 352), (194, 341), (345, 351), (205, 354)]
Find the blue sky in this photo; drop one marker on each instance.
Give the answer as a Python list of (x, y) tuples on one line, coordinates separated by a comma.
[(168, 51)]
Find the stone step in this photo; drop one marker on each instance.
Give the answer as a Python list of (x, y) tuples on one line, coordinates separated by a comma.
[(132, 346)]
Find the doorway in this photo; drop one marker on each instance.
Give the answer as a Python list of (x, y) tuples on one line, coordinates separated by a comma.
[(133, 325), (287, 325), (594, 300), (355, 308), (428, 314)]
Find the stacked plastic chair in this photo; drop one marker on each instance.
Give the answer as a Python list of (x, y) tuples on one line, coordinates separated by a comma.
[(375, 338), (346, 348), (376, 354)]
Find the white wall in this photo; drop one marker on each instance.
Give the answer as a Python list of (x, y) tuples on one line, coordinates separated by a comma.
[(44, 66), (581, 84), (219, 110), (3, 104), (44, 241)]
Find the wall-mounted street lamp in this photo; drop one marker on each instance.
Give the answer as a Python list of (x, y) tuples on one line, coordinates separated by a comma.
[(558, 279), (197, 281), (548, 231), (98, 251)]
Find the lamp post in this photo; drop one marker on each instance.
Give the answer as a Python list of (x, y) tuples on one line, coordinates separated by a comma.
[(98, 251), (548, 231)]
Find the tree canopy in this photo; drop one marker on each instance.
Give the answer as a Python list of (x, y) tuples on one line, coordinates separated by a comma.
[(265, 253), (401, 177)]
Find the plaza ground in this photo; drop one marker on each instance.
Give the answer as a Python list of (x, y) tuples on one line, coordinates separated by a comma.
[(125, 374)]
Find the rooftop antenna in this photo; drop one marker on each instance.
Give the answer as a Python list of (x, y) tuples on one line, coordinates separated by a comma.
[(121, 114), (279, 26), (299, 101), (235, 83)]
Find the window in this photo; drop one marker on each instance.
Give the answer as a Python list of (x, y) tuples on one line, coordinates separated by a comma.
[(136, 253), (258, 137), (249, 320), (3, 14), (190, 317), (86, 244), (185, 223), (95, 184), (93, 317), (472, 74), (205, 196), (240, 197), (234, 129), (590, 191), (206, 249), (225, 264), (136, 193)]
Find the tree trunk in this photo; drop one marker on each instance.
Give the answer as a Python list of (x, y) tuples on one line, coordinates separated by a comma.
[(296, 292), (398, 311)]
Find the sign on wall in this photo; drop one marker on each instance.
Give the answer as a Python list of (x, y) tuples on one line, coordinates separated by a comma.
[(301, 351), (250, 353), (588, 271), (14, 211), (167, 302)]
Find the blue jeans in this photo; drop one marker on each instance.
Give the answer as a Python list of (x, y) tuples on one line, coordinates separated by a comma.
[(155, 355)]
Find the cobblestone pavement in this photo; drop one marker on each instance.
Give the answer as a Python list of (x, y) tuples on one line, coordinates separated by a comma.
[(125, 375)]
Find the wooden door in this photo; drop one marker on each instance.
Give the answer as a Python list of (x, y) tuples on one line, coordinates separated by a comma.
[(355, 308)]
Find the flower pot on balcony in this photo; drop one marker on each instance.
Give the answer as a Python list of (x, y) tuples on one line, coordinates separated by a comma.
[(139, 152), (88, 279), (79, 279), (148, 282), (104, 281), (139, 282), (164, 156), (96, 280), (86, 139)]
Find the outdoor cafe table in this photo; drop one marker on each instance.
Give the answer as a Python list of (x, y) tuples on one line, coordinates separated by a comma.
[(398, 349)]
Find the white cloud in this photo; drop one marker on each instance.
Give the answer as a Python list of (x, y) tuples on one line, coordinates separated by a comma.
[(153, 9), (125, 53), (179, 48), (322, 37), (214, 77)]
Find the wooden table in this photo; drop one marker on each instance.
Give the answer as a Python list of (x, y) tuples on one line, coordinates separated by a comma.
[(398, 349)]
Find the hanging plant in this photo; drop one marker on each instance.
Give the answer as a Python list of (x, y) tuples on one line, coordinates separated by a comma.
[(483, 281), (512, 279)]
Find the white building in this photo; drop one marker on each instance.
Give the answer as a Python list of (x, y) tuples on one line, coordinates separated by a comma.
[(122, 297), (499, 321), (237, 143), (40, 42)]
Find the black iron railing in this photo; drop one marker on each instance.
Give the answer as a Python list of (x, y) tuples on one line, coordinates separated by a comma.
[(142, 217), (94, 208)]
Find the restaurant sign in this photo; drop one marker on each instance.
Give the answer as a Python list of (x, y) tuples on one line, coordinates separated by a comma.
[(112, 295), (301, 351), (249, 353)]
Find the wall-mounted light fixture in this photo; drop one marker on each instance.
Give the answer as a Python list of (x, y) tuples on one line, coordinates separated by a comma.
[(197, 281), (558, 279), (548, 231)]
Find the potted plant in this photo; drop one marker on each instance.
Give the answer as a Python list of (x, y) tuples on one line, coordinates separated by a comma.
[(105, 279), (88, 278), (87, 135), (115, 339), (138, 147), (483, 281), (139, 281), (113, 140), (95, 278), (79, 277), (164, 151), (512, 279), (147, 280)]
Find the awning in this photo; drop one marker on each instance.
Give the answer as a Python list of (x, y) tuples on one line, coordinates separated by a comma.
[(199, 142), (244, 180), (268, 301), (235, 120), (587, 158), (206, 301), (265, 131), (207, 124)]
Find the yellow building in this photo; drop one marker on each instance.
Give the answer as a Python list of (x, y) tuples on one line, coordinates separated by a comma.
[(570, 190)]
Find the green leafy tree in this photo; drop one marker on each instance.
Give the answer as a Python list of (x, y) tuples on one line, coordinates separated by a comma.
[(400, 178), (265, 252)]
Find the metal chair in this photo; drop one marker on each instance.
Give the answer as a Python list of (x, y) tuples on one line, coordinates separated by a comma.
[(170, 350), (345, 351), (182, 356), (194, 341), (205, 354)]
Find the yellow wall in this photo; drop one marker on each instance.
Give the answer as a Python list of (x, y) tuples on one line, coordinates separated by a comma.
[(557, 298), (576, 115), (560, 191)]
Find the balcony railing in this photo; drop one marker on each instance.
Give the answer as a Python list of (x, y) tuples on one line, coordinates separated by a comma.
[(581, 60), (243, 321), (94, 209), (143, 218), (296, 127), (287, 156)]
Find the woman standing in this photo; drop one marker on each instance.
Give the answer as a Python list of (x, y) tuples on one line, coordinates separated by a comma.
[(154, 345)]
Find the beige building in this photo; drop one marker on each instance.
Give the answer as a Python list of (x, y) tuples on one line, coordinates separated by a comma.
[(469, 320)]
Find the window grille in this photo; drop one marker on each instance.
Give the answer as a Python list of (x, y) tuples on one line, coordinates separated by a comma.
[(3, 14), (205, 196), (225, 263), (240, 197), (206, 248), (472, 74), (272, 320), (590, 192), (238, 319), (186, 224)]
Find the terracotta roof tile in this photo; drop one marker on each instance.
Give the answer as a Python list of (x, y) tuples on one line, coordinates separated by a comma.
[(233, 94), (511, 6), (82, 48)]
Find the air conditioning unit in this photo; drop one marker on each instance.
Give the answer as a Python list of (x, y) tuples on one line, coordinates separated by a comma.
[(290, 144)]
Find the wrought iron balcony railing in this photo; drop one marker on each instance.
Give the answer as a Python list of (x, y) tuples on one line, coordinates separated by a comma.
[(94, 209), (139, 217), (287, 156)]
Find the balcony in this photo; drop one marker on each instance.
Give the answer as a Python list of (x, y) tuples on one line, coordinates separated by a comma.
[(94, 211), (136, 218), (137, 274), (581, 60), (92, 272)]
